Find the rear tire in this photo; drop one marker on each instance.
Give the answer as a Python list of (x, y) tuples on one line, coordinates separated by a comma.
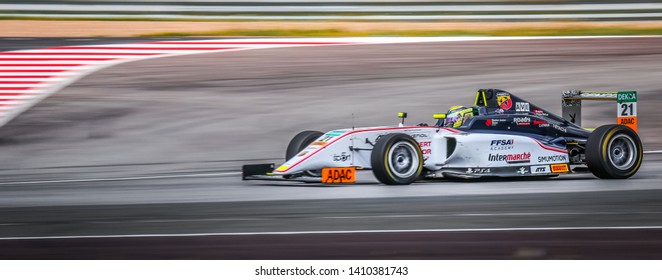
[(300, 142), (396, 159), (614, 152)]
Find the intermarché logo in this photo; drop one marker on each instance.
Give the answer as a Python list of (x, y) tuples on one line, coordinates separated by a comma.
[(510, 158)]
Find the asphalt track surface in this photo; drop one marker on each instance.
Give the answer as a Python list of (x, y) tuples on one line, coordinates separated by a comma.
[(140, 160)]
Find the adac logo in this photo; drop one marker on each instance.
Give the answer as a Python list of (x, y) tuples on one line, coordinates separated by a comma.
[(626, 121), (504, 101)]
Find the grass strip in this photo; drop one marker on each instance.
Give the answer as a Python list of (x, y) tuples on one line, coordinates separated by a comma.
[(568, 31)]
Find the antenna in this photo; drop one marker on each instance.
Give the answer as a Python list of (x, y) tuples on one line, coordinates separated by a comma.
[(352, 121)]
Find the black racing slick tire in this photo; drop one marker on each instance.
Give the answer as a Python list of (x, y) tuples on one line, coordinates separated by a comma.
[(614, 152), (396, 159), (300, 142)]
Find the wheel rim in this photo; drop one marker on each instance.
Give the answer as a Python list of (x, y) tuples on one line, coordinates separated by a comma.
[(403, 159), (622, 151)]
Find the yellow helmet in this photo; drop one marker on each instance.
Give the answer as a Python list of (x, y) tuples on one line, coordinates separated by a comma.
[(457, 115)]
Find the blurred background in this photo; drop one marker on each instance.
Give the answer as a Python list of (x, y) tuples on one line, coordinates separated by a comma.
[(329, 18)]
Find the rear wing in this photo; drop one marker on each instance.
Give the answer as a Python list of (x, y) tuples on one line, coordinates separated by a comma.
[(626, 105)]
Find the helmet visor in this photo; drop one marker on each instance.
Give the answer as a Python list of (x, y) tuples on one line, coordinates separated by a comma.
[(451, 119)]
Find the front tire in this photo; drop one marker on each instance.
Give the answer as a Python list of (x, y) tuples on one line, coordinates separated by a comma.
[(396, 159), (614, 152), (300, 142)]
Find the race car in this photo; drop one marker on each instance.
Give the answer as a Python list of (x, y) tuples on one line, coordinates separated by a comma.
[(501, 135)]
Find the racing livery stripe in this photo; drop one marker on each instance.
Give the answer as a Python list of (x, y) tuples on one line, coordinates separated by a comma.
[(550, 148), (396, 128), (357, 131), (451, 130)]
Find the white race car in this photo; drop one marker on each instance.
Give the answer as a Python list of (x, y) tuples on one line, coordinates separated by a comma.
[(500, 136)]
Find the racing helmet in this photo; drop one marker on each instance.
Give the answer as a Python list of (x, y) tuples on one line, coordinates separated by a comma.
[(457, 115)]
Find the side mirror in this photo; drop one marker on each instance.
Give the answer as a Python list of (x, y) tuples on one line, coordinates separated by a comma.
[(439, 116)]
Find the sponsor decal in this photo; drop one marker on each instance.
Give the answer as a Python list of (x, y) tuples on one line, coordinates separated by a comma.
[(318, 143), (302, 153), (333, 134), (626, 121), (342, 157), (420, 135), (560, 168), (522, 120), (478, 170), (538, 122), (626, 96), (338, 175), (554, 158), (425, 144), (627, 109), (560, 128), (502, 144), (540, 112), (522, 170), (540, 169), (494, 122), (573, 117), (510, 158), (555, 126), (499, 111), (504, 101), (521, 106), (629, 122)]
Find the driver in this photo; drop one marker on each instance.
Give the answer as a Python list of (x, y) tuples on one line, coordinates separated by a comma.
[(457, 115)]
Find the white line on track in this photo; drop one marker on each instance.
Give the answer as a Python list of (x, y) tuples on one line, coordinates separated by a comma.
[(30, 85), (25, 95), (28, 67), (333, 232)]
